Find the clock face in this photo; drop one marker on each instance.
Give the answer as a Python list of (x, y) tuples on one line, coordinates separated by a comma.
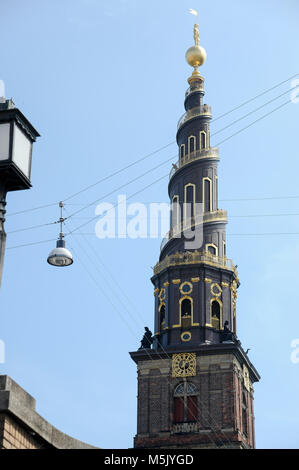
[(184, 365)]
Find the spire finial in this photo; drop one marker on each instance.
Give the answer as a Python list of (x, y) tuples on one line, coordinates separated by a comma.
[(195, 55), (195, 30)]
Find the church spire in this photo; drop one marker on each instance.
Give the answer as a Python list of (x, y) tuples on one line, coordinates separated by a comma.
[(194, 378)]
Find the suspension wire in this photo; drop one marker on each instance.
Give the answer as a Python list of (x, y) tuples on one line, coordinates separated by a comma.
[(252, 112), (255, 97), (31, 244), (115, 205), (120, 187), (32, 209), (173, 142), (154, 182), (92, 233), (252, 123), (246, 216), (107, 270), (157, 166), (32, 227), (156, 151), (119, 171)]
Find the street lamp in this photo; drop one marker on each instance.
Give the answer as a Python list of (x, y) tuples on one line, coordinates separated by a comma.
[(60, 256), (16, 140)]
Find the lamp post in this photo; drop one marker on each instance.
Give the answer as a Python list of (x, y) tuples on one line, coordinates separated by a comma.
[(16, 140)]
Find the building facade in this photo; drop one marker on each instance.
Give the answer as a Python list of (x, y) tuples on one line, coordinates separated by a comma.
[(21, 427), (195, 384)]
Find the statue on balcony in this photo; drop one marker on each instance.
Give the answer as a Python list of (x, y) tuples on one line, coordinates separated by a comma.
[(147, 339), (227, 334)]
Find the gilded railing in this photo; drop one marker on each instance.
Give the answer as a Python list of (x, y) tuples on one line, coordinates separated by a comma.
[(178, 230), (203, 110), (194, 257), (211, 152)]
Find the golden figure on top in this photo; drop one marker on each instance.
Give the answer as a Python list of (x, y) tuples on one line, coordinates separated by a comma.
[(196, 35), (195, 55)]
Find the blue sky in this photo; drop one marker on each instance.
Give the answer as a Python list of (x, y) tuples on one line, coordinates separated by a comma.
[(104, 82)]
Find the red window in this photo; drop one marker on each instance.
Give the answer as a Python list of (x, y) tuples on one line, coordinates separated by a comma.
[(192, 414), (179, 409), (185, 403)]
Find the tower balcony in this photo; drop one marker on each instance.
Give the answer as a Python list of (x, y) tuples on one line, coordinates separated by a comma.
[(194, 257), (185, 225), (203, 110), (211, 152)]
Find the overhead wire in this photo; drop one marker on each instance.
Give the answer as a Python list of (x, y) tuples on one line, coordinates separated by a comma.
[(154, 182), (240, 130), (157, 150)]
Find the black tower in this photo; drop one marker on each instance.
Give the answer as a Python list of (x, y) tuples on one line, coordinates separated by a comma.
[(195, 383)]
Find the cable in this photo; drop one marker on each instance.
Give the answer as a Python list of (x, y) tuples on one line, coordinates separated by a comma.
[(261, 234), (259, 198), (31, 210), (265, 215), (152, 153), (255, 97), (120, 187), (154, 182), (166, 161), (115, 205), (161, 164), (119, 171), (166, 218), (252, 123), (92, 233), (173, 142), (32, 227), (254, 111), (107, 270), (31, 244)]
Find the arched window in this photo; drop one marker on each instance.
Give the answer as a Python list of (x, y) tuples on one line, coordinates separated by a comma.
[(186, 312), (189, 205), (182, 151), (185, 403), (162, 316), (211, 248), (203, 139), (207, 194), (216, 314), (191, 144), (175, 211)]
